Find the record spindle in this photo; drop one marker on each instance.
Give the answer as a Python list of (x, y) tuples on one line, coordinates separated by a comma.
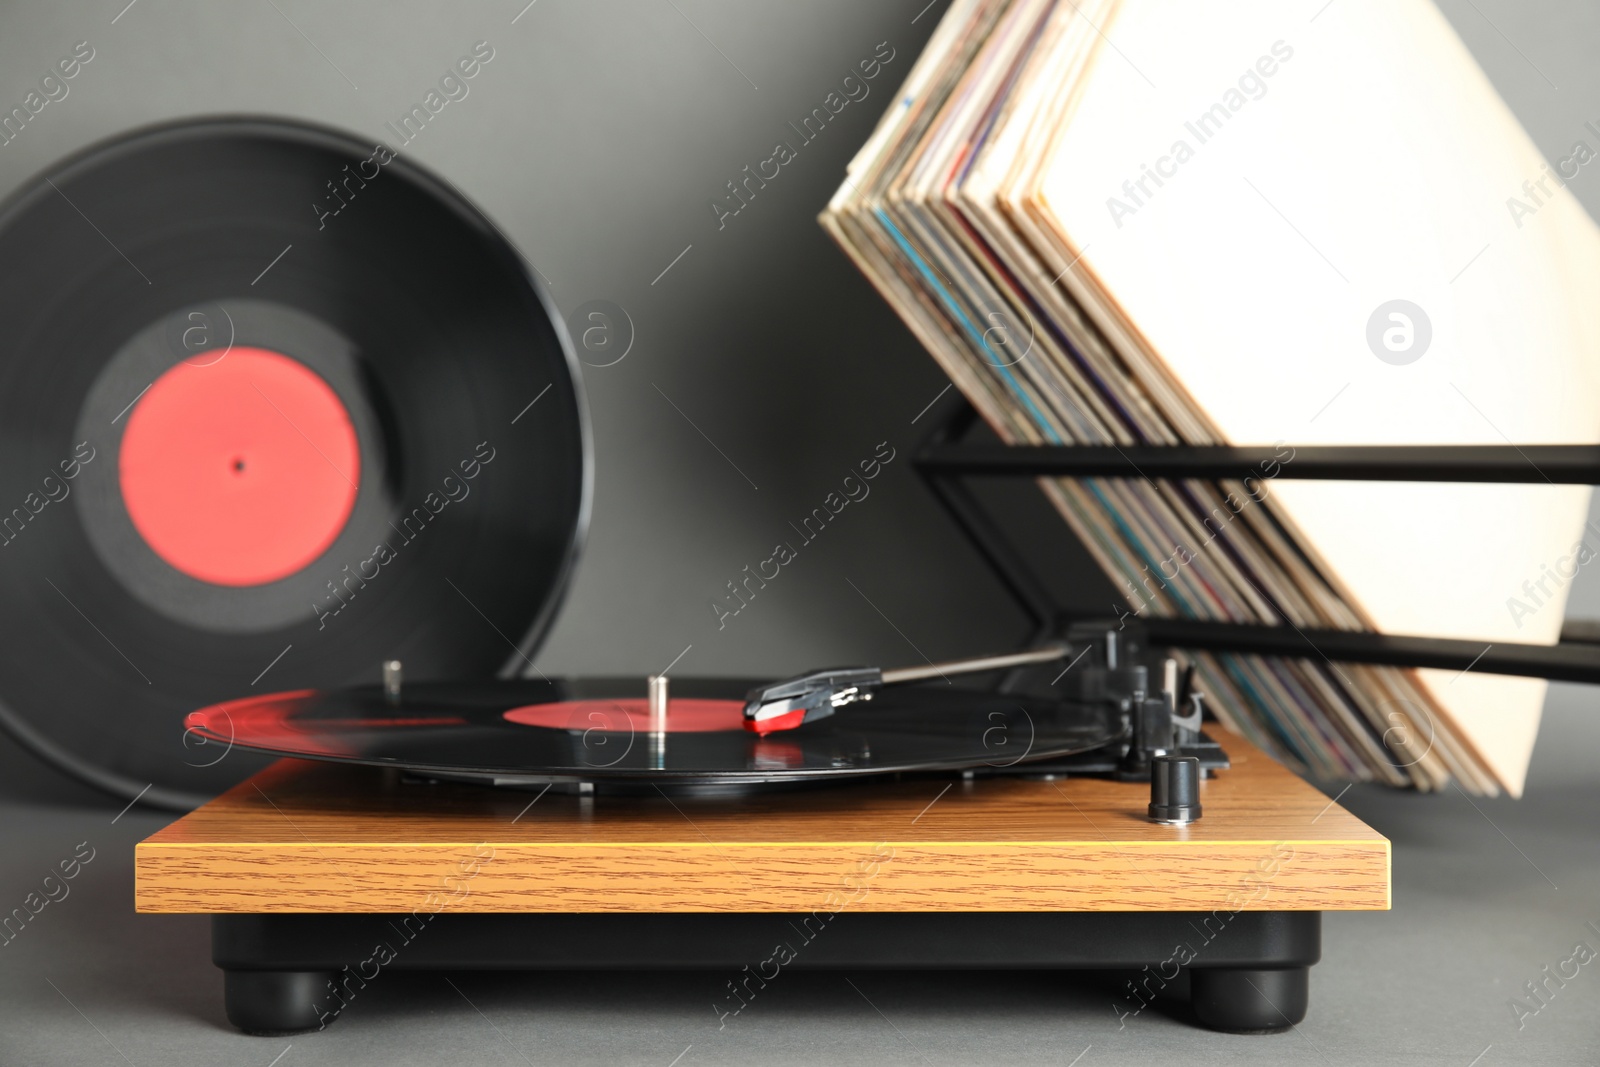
[(658, 720)]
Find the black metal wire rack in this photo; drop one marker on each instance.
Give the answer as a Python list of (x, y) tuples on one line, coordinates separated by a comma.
[(945, 460)]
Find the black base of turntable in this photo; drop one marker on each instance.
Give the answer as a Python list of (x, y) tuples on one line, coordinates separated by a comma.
[(291, 973)]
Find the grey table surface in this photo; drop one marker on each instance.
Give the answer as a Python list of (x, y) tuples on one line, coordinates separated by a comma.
[(1487, 894)]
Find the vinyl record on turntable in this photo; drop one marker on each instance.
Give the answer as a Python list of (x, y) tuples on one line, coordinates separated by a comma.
[(277, 406), (599, 731)]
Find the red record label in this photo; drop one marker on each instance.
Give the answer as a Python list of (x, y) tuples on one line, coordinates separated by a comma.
[(240, 470), (632, 715)]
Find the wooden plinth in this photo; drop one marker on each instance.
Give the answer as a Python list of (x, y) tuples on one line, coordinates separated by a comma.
[(319, 837)]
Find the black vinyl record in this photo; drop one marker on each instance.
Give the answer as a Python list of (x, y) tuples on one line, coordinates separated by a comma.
[(277, 406), (598, 730)]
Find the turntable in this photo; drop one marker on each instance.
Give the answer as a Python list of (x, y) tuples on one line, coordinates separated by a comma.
[(537, 824), (306, 462), (320, 877)]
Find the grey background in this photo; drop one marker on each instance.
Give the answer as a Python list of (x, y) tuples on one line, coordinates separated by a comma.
[(595, 138)]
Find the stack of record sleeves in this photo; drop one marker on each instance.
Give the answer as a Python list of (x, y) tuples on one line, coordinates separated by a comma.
[(1257, 222)]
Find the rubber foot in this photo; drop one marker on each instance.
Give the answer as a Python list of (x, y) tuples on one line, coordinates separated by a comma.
[(270, 1003), (1249, 1001)]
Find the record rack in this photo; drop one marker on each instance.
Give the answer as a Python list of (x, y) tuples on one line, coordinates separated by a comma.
[(946, 458)]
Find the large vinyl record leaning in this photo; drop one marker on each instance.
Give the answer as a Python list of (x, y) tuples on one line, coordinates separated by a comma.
[(276, 407)]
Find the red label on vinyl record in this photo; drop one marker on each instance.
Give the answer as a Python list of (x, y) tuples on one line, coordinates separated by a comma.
[(239, 471), (684, 716)]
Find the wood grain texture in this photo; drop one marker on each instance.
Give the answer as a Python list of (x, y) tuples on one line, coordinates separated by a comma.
[(317, 837)]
